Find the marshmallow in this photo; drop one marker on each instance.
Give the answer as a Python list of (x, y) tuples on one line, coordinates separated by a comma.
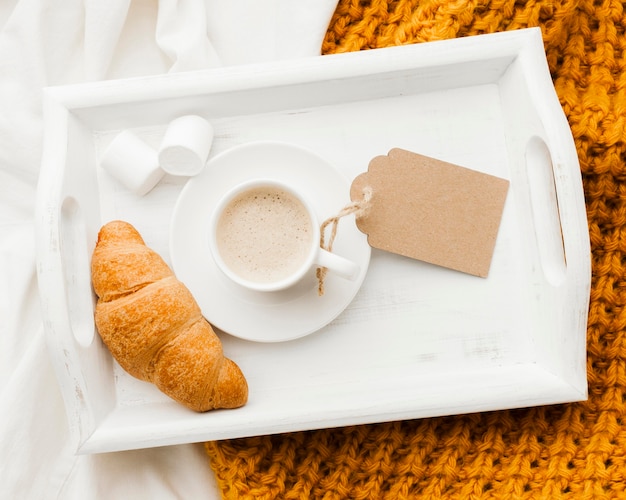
[(185, 146), (132, 162)]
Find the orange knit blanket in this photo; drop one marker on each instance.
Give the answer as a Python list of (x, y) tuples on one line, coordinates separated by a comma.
[(572, 451)]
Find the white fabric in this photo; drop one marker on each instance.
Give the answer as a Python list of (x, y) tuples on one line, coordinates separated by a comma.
[(52, 42)]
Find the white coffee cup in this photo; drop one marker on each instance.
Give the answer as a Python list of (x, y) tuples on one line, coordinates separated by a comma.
[(265, 236)]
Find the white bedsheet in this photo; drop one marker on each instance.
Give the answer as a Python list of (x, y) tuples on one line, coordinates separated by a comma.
[(53, 42)]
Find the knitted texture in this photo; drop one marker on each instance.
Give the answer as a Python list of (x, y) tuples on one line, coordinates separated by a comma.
[(573, 451)]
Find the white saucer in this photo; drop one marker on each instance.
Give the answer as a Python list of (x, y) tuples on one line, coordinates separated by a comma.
[(264, 316)]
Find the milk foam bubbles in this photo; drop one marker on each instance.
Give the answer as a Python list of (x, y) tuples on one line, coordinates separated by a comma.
[(264, 234)]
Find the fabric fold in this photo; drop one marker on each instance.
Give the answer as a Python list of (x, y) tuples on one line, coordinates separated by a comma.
[(182, 35)]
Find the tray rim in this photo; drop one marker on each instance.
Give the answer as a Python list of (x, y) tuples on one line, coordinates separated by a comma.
[(66, 103)]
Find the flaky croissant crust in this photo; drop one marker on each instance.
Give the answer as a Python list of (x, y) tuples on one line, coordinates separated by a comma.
[(153, 326)]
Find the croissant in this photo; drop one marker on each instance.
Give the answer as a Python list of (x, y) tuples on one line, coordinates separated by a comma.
[(153, 326)]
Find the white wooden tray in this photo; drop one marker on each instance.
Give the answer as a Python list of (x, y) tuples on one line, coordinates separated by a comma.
[(417, 340)]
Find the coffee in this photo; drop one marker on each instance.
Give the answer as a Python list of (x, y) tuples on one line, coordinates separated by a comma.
[(264, 234)]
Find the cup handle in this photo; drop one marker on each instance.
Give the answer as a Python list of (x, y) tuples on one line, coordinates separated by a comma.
[(338, 265)]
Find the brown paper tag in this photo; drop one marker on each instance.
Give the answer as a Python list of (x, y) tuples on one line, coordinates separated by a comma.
[(431, 210)]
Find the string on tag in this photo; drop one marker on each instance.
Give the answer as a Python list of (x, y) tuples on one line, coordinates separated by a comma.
[(359, 209)]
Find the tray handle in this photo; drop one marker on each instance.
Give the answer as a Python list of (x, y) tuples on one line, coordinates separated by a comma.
[(66, 208), (556, 176), (545, 210), (80, 300)]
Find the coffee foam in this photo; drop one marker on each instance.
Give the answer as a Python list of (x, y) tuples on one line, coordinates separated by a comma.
[(264, 234)]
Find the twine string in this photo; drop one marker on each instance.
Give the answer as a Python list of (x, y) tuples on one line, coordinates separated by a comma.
[(359, 208)]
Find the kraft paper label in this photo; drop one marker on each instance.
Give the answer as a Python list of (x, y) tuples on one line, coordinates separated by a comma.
[(431, 210)]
